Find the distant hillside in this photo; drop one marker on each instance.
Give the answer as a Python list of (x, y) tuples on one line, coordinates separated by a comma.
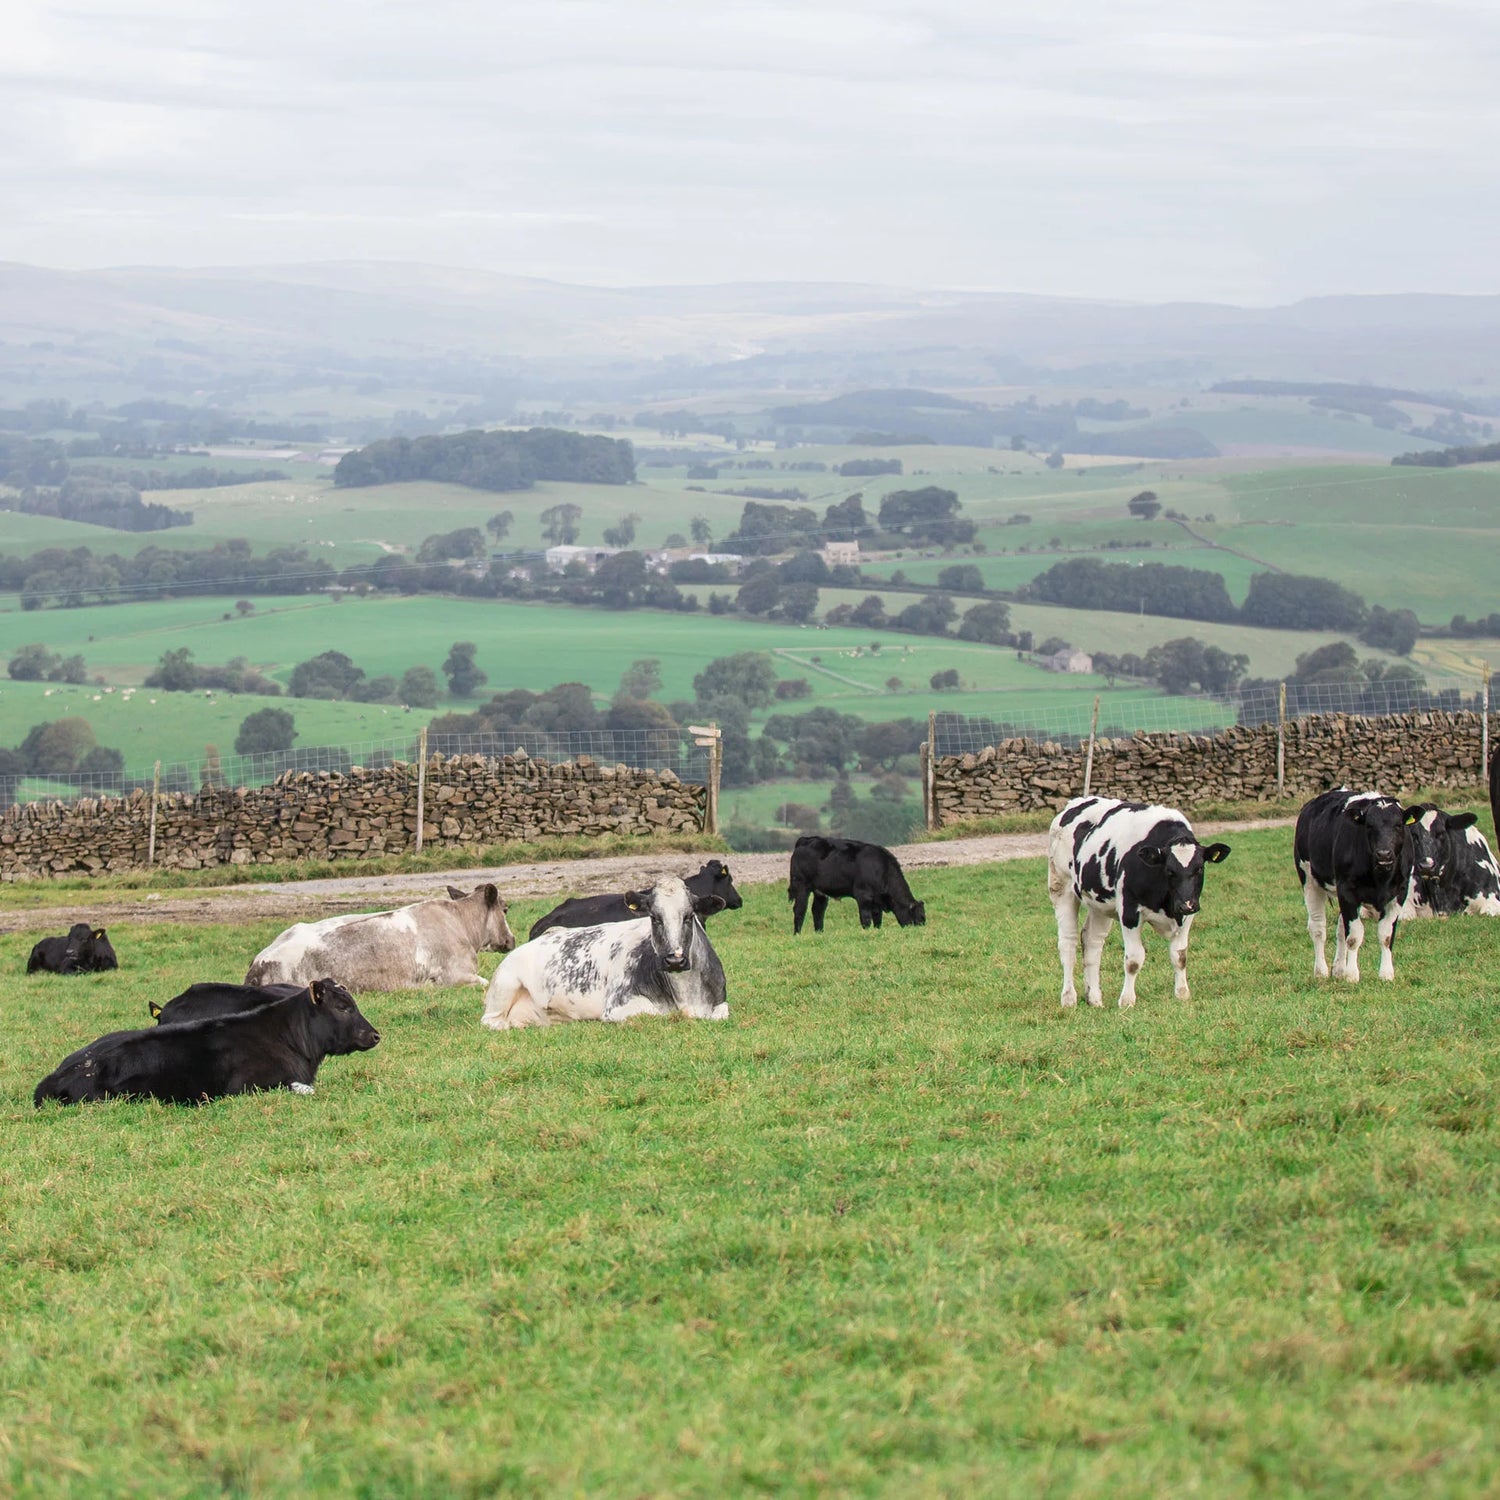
[(163, 328)]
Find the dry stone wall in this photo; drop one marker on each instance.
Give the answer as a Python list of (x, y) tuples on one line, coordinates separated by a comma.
[(469, 801), (1394, 753)]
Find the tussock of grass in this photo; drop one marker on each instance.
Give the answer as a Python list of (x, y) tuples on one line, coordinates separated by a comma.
[(901, 1225)]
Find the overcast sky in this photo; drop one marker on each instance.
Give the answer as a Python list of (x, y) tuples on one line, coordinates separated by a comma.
[(1254, 151)]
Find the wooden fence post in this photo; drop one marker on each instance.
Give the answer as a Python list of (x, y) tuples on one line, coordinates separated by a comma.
[(421, 784), (929, 773), (155, 796), (1281, 743), (709, 737), (1088, 765)]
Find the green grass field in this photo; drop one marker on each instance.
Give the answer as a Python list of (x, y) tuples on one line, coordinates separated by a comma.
[(922, 1234)]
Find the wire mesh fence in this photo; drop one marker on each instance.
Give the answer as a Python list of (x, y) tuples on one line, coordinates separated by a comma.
[(642, 748)]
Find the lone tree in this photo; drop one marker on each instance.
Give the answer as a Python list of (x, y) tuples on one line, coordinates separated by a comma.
[(419, 687), (463, 676), (265, 731), (622, 533), (641, 679), (560, 524), (701, 531), (499, 524), (1145, 505)]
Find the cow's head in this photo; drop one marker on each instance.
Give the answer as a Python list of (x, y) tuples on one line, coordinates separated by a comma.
[(78, 949), (1385, 825), (1180, 867), (673, 910), (1431, 845), (713, 879), (910, 913), (340, 1022), (495, 933)]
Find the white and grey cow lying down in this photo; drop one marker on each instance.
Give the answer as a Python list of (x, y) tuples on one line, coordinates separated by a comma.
[(661, 963), (428, 942), (1137, 862)]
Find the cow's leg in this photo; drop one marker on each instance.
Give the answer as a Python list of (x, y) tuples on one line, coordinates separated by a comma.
[(799, 908), (1135, 957), (1316, 899), (1387, 930), (1351, 935), (1065, 904), (820, 905), (1176, 934), (1096, 925)]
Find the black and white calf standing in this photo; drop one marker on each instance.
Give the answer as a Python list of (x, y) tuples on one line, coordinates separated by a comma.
[(1356, 849), (657, 964), (1454, 868), (1134, 861)]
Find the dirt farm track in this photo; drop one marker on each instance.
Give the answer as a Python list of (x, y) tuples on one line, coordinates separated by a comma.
[(308, 900)]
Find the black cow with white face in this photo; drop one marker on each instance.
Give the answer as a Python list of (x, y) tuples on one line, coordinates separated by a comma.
[(81, 950), (1357, 849), (1138, 862), (594, 911), (1455, 869), (279, 1045)]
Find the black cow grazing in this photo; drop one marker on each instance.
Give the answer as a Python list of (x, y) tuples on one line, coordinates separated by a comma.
[(276, 1046), (833, 868), (1135, 861), (204, 1002), (1356, 848), (595, 911), (1455, 869), (84, 950)]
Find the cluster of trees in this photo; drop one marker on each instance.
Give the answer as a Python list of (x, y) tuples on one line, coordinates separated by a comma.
[(332, 675), (1448, 458), (177, 672), (61, 750), (491, 460), (35, 663), (1183, 665), (116, 504), (866, 467), (1333, 678), (932, 614), (1461, 625), (922, 518)]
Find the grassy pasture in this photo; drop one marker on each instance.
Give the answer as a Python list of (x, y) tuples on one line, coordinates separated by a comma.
[(924, 1234)]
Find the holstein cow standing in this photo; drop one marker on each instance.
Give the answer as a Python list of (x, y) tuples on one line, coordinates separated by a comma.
[(593, 911), (83, 950), (1134, 861), (428, 942), (658, 964), (834, 868), (202, 1002), (1455, 869), (1358, 849), (275, 1046)]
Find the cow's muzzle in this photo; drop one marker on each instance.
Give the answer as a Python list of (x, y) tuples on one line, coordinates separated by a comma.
[(675, 962), (367, 1039)]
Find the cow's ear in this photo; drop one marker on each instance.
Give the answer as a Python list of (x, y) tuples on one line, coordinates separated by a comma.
[(1355, 812), (1216, 854), (313, 992), (724, 871), (706, 906), (491, 895), (99, 934), (457, 894), (1152, 854), (1412, 814), (1460, 821), (637, 900), (154, 1008)]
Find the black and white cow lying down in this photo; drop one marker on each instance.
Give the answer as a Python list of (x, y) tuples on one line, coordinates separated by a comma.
[(1134, 861), (825, 867), (1357, 849), (593, 911), (660, 963), (278, 1045), (81, 950), (1455, 869)]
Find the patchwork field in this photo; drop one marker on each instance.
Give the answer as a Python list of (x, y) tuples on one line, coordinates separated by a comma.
[(924, 1233)]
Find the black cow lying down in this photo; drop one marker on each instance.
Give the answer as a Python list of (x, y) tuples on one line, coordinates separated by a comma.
[(81, 950), (203, 1002), (833, 867), (278, 1045), (595, 911)]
